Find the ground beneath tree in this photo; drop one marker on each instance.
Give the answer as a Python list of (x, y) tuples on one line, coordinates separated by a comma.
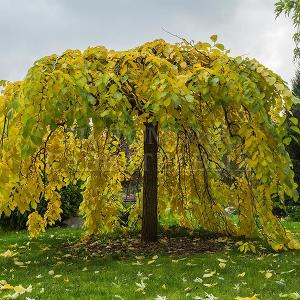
[(127, 247)]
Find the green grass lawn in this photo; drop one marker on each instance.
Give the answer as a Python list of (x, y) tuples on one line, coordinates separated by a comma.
[(55, 272)]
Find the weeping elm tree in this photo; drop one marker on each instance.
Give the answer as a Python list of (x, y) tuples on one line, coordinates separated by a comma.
[(205, 129)]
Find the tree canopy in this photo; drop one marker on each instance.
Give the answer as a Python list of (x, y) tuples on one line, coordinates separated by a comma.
[(82, 115)]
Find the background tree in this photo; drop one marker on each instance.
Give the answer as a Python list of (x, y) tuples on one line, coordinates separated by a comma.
[(291, 8), (294, 148), (191, 105)]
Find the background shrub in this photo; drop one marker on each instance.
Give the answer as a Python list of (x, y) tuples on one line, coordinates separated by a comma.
[(71, 198)]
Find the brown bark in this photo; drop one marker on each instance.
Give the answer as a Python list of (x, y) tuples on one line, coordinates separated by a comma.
[(150, 216)]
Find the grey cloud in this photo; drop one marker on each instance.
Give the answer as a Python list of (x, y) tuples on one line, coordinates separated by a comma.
[(34, 28)]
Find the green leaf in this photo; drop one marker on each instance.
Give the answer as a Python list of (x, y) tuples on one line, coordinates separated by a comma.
[(189, 98), (287, 140), (10, 114), (124, 78), (296, 129), (294, 120), (238, 60), (27, 150), (295, 139), (37, 136), (279, 86), (105, 113), (176, 99), (28, 127), (3, 82), (91, 99), (118, 96), (215, 81), (167, 102), (220, 46), (296, 100), (214, 38), (271, 80), (37, 140)]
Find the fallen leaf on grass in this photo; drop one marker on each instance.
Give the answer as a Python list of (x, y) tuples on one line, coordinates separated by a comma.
[(210, 284), (222, 265), (158, 297), (207, 275), (6, 286), (242, 274), (254, 297), (18, 263), (290, 296), (286, 272), (268, 275), (45, 248), (21, 290), (281, 282), (141, 286), (190, 264), (137, 263), (139, 257), (9, 253)]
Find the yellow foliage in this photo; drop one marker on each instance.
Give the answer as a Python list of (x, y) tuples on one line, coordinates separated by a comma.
[(81, 115)]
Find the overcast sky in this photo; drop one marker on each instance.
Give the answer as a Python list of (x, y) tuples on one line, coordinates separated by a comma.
[(31, 29)]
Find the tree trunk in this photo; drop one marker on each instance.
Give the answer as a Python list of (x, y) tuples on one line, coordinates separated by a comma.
[(150, 218)]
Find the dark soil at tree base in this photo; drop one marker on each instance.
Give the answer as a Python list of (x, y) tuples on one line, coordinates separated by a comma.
[(128, 247)]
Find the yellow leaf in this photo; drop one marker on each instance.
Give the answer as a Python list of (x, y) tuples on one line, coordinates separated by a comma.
[(207, 275), (18, 263), (268, 275), (6, 287), (209, 284), (294, 295), (21, 290), (254, 297), (139, 257), (183, 65), (8, 253)]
